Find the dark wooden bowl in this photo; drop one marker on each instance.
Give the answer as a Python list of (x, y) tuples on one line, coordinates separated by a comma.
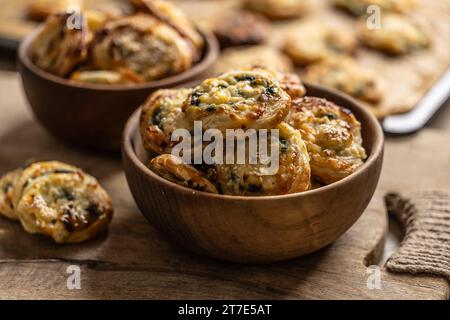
[(256, 229), (93, 115)]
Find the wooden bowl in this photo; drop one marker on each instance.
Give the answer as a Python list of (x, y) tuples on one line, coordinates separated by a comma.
[(93, 115), (256, 229)]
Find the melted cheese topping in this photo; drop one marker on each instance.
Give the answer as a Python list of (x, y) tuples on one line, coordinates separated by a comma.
[(238, 99), (332, 136)]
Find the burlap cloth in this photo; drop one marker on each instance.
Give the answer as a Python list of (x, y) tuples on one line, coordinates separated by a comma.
[(425, 220)]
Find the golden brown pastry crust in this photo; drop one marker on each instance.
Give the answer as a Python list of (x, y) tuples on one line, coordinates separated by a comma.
[(332, 135), (175, 170), (58, 49), (160, 116), (69, 207), (239, 28), (346, 75), (359, 7), (293, 175), (238, 99), (141, 47), (278, 9), (398, 35), (7, 184), (312, 42)]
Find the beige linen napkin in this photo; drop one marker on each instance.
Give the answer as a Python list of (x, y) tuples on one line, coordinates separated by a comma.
[(425, 220)]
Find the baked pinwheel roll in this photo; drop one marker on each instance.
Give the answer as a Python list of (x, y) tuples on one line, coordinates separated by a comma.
[(240, 28), (174, 17), (292, 175), (346, 75), (40, 10), (398, 35), (7, 184), (359, 7), (160, 116), (312, 42), (278, 9), (175, 170), (62, 202), (238, 99), (61, 45), (142, 48), (332, 135)]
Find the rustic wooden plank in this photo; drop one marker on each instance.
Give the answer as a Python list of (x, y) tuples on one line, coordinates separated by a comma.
[(134, 261)]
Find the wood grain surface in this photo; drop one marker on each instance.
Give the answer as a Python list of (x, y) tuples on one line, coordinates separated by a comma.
[(134, 261)]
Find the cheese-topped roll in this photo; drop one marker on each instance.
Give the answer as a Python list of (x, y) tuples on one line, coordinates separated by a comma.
[(160, 116), (35, 170), (398, 35), (176, 18), (311, 42), (359, 7), (238, 99), (175, 170), (140, 47), (346, 75), (62, 44), (69, 207), (278, 9), (332, 135), (7, 184), (292, 175), (40, 10)]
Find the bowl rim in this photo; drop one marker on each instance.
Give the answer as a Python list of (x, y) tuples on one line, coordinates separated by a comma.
[(210, 55), (377, 150)]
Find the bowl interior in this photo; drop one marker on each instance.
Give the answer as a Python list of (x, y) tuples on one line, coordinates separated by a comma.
[(372, 134), (209, 56)]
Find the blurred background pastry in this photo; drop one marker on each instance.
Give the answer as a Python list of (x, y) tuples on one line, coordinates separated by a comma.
[(141, 47), (332, 136), (60, 46), (345, 74), (239, 28), (359, 7), (278, 9)]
